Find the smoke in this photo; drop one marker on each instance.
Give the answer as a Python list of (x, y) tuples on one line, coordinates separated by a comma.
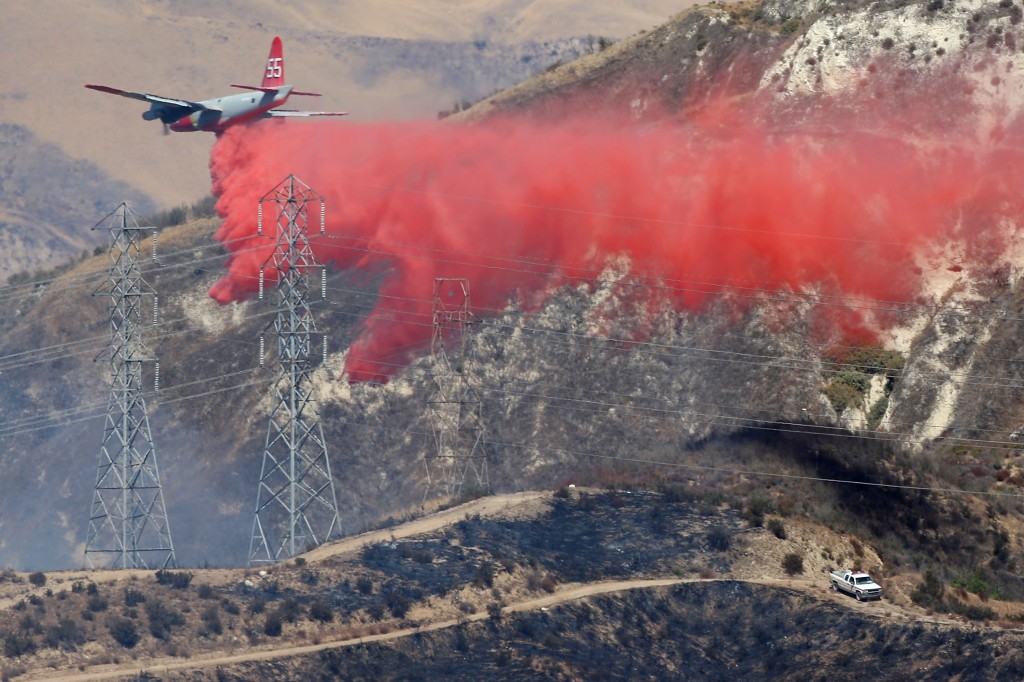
[(518, 207)]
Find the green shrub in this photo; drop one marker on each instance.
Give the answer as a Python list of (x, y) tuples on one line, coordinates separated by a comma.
[(757, 506), (38, 578), (790, 26), (977, 584), (777, 528)]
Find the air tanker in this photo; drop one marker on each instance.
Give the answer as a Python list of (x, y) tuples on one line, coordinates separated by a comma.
[(216, 115)]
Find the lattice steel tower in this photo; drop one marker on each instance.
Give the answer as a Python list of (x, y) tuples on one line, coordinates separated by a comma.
[(128, 525), (455, 409), (296, 507)]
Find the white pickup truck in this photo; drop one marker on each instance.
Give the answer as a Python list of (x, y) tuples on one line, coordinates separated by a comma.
[(857, 583)]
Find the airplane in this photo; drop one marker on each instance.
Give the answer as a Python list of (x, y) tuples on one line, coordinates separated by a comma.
[(216, 115)]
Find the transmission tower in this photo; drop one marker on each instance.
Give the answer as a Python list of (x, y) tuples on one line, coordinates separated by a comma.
[(454, 405), (128, 525), (296, 508)]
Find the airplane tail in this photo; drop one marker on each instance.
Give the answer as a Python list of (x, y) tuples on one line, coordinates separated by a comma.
[(273, 77)]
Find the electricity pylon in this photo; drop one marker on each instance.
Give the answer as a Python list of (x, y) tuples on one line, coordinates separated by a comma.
[(454, 406), (128, 525), (296, 507)]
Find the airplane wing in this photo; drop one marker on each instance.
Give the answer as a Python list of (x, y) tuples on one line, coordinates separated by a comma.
[(283, 113), (185, 106)]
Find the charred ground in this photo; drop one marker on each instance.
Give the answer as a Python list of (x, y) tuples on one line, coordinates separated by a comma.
[(504, 595)]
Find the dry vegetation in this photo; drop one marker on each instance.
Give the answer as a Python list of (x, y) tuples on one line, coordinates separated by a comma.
[(479, 568)]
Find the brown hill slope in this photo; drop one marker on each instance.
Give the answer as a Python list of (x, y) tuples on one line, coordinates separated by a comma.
[(578, 585), (195, 49)]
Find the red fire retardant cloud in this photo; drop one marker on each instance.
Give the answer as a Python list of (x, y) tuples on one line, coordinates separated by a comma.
[(520, 207)]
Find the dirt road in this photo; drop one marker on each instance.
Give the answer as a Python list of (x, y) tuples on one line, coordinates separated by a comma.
[(485, 506), (158, 667)]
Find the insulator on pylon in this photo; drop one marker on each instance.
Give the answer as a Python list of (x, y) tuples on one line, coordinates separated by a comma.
[(323, 284), (154, 246), (156, 376), (261, 284), (261, 350), (155, 300), (323, 218), (259, 219), (325, 350)]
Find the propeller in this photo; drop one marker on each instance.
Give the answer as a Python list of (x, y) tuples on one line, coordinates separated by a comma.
[(167, 128)]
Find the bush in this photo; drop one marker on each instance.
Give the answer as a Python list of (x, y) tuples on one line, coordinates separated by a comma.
[(179, 580), (206, 592), (257, 605), (364, 585), (375, 610), (97, 603), (18, 644), (793, 563), (211, 620), (65, 634), (930, 593), (485, 575), (133, 597), (38, 578), (123, 631), (162, 618), (777, 528), (974, 611), (719, 539), (289, 610), (757, 506), (319, 611), (397, 603), (272, 625), (790, 26)]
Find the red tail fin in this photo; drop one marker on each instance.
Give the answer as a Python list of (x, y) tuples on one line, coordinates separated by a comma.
[(273, 77)]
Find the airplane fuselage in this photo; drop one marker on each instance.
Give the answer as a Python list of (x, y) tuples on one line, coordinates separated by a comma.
[(222, 112)]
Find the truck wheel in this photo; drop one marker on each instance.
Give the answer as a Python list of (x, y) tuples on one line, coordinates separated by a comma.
[(859, 598)]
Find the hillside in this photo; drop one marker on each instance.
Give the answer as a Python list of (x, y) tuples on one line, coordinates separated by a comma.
[(792, 293), (579, 584), (386, 60)]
